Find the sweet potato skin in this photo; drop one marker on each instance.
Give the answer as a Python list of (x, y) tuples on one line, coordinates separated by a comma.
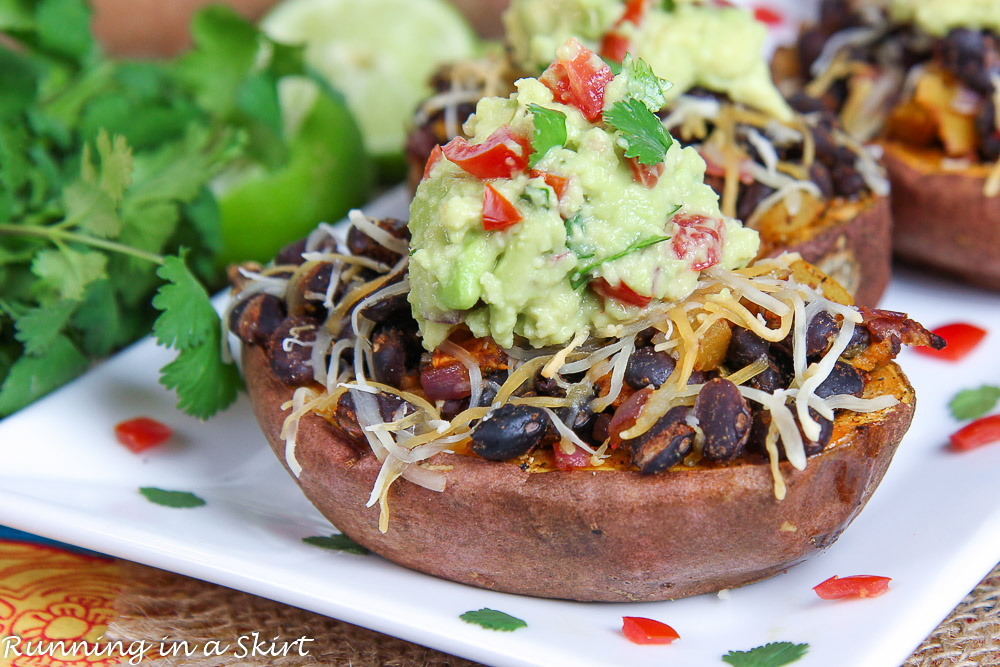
[(943, 221), (609, 535), (849, 241)]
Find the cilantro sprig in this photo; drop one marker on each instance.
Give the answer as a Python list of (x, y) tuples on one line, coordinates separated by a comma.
[(640, 130), (105, 197), (550, 131), (974, 403), (491, 619), (774, 654), (582, 275)]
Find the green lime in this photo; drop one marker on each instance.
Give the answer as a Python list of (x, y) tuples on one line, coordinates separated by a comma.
[(380, 53), (328, 172)]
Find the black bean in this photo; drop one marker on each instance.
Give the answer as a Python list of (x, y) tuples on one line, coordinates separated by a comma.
[(580, 419), (360, 243), (770, 380), (847, 181), (724, 418), (989, 133), (826, 145), (312, 287), (825, 433), (346, 422), (970, 55), (599, 430), (665, 444), (648, 367), (843, 379), (745, 347), (701, 377), (820, 175), (861, 339), (393, 354), (804, 103), (255, 319), (291, 253), (820, 333), (547, 386), (752, 195), (810, 46), (391, 309), (510, 431), (290, 360)]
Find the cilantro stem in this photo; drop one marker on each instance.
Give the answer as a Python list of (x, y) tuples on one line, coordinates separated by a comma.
[(57, 235)]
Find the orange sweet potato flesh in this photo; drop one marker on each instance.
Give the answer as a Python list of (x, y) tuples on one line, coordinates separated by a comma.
[(609, 535), (849, 240), (943, 221)]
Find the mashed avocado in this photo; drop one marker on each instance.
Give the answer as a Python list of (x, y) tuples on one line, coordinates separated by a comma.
[(588, 259), (937, 17), (717, 48)]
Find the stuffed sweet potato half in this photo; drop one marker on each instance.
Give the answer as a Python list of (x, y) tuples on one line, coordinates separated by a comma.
[(667, 462), (559, 380), (805, 185), (922, 82)]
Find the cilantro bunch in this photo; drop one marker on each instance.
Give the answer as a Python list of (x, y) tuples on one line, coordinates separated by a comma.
[(105, 197)]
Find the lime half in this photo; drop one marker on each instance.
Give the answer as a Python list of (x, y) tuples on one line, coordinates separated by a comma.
[(379, 53)]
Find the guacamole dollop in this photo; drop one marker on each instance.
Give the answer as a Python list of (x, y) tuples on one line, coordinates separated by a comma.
[(719, 48), (588, 238), (937, 17)]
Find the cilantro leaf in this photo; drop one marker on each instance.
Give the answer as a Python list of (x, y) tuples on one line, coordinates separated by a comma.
[(550, 131), (581, 276), (176, 499), (20, 83), (225, 49), (337, 543), (64, 27), (669, 5), (644, 85), (770, 655), (204, 384), (116, 164), (92, 210), (31, 377), (491, 619), (40, 327), (101, 321), (188, 319), (974, 403), (64, 273), (644, 135)]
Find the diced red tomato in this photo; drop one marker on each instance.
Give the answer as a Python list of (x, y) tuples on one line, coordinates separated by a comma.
[(502, 155), (647, 631), (698, 239), (615, 46), (627, 414), (498, 213), (768, 15), (444, 383), (564, 461), (578, 78), (142, 433), (646, 174), (557, 183), (981, 432), (434, 158), (858, 586), (961, 338), (622, 292)]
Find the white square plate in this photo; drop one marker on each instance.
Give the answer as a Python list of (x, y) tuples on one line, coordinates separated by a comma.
[(933, 525)]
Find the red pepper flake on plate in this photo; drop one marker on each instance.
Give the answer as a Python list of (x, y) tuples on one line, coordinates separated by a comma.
[(142, 433), (640, 630), (961, 339), (981, 432), (857, 586)]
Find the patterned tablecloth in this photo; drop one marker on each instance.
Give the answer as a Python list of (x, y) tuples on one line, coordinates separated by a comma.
[(110, 612)]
